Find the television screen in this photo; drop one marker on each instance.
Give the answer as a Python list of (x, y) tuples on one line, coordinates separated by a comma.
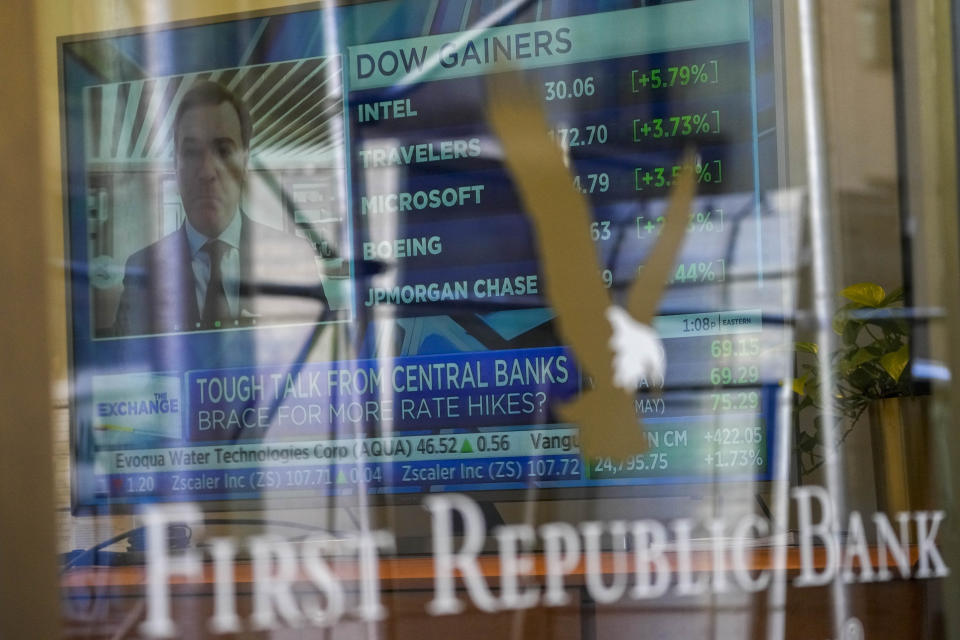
[(300, 266)]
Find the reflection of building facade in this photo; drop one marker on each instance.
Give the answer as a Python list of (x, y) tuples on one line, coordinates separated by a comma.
[(450, 383)]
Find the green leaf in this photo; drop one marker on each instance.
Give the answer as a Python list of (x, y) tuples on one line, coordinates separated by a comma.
[(851, 332), (865, 293), (861, 380), (839, 323), (895, 362), (843, 355), (806, 443), (862, 356), (808, 347), (845, 366), (799, 384)]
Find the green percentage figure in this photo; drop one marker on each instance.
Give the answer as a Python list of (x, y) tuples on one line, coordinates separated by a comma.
[(691, 124), (684, 75), (710, 172), (699, 272), (708, 221)]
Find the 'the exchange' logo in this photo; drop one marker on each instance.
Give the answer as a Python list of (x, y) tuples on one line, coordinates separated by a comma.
[(130, 405)]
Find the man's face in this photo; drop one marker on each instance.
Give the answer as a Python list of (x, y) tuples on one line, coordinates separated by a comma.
[(211, 166)]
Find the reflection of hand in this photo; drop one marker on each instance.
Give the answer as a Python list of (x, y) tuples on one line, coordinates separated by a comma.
[(638, 351)]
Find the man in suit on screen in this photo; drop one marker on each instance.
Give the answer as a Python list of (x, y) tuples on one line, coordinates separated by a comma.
[(220, 269)]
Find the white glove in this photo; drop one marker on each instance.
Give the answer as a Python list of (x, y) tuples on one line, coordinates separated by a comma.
[(638, 351)]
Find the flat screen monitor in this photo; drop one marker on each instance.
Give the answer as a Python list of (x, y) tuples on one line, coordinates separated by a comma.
[(373, 318)]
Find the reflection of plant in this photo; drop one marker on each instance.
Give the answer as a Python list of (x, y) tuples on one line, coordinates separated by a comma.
[(869, 364)]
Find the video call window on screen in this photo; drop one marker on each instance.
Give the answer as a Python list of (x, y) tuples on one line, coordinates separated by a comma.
[(154, 179)]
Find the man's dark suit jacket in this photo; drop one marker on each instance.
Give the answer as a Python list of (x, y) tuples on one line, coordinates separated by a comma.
[(280, 283)]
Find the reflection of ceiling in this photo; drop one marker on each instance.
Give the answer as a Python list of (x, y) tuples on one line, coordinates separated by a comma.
[(296, 108)]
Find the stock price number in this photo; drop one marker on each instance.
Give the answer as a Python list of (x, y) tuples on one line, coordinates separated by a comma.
[(651, 461), (654, 461), (739, 401), (550, 467), (579, 137), (739, 348), (563, 90), (592, 183), (600, 231), (446, 444), (734, 375)]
